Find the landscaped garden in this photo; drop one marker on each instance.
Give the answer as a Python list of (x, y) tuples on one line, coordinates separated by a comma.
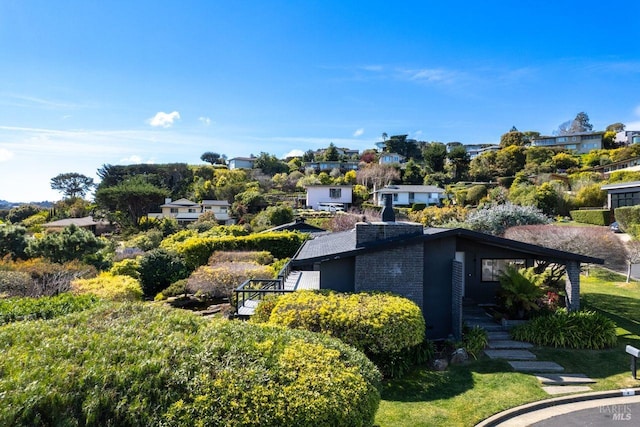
[(465, 394)]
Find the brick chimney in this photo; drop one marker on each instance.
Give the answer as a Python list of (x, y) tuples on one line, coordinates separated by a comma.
[(370, 232)]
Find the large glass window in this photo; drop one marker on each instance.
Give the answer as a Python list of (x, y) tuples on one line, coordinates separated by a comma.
[(491, 268), (335, 193)]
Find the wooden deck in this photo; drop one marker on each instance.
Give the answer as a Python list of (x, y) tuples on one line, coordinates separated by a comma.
[(296, 281)]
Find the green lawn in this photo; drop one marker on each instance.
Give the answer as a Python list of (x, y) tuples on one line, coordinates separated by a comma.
[(464, 395)]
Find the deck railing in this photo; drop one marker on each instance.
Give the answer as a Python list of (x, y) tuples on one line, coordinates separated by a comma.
[(256, 289)]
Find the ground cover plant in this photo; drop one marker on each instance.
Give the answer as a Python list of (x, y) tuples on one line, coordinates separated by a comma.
[(109, 286), (17, 309), (139, 364)]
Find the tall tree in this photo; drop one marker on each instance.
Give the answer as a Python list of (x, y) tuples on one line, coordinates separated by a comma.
[(134, 196), (459, 162), (435, 155), (579, 124), (512, 138), (210, 157), (331, 154), (270, 164), (72, 184)]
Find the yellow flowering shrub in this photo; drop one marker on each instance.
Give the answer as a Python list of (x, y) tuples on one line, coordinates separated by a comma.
[(109, 286)]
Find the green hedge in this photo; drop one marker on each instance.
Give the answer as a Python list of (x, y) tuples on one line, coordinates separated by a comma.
[(382, 325), (139, 365), (627, 216), (592, 216), (16, 309), (197, 250), (577, 329)]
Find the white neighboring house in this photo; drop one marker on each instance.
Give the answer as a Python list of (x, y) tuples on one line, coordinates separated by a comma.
[(407, 195), (186, 211), (329, 197), (241, 163)]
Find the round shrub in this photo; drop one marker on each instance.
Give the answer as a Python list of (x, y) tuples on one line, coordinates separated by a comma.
[(219, 280), (109, 286), (139, 365), (576, 329), (381, 325), (126, 267), (158, 269)]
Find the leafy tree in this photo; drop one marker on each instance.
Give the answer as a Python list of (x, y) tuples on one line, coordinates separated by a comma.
[(134, 196), (270, 164), (176, 178), (331, 154), (369, 156), (564, 161), (435, 155), (459, 162), (512, 138), (22, 212), (579, 124), (360, 194), (510, 160), (546, 198), (72, 243), (229, 183), (412, 173), (211, 157), (401, 145), (13, 242), (160, 268), (591, 196), (308, 156), (72, 184), (476, 193), (484, 167), (615, 127)]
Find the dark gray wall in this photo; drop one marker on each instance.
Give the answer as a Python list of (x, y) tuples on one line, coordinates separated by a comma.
[(338, 275), (438, 259), (475, 289)]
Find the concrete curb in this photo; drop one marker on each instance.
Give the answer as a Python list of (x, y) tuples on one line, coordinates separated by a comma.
[(497, 419)]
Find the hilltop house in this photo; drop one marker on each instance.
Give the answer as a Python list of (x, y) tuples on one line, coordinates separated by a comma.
[(581, 143), (242, 163), (407, 195), (186, 211), (390, 158), (434, 267)]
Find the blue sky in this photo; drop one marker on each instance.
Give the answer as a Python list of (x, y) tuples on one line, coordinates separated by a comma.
[(84, 83)]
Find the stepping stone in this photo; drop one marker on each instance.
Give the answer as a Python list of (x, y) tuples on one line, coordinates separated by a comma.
[(510, 354), (564, 379), (506, 344), (536, 366), (563, 389), (498, 336), (491, 327)]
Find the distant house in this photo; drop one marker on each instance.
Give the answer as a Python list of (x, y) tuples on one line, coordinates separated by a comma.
[(390, 158), (581, 143), (628, 165), (622, 194), (96, 227), (326, 197), (474, 150), (407, 195), (242, 163), (298, 225), (185, 211), (329, 165), (434, 267), (628, 137)]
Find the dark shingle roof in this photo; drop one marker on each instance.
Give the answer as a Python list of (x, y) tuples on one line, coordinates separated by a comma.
[(343, 244)]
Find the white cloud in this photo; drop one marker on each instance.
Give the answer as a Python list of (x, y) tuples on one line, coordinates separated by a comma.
[(164, 120), (432, 75), (293, 153), (205, 120), (5, 155), (358, 132)]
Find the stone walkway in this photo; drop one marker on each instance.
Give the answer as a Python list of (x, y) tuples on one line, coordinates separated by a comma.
[(500, 346)]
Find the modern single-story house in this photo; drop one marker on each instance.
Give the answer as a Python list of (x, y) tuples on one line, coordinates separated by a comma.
[(622, 194), (329, 165), (434, 267), (407, 195), (627, 165), (322, 197), (88, 222), (186, 211), (242, 163)]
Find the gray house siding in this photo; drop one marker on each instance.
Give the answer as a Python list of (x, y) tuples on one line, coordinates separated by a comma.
[(338, 275), (438, 256)]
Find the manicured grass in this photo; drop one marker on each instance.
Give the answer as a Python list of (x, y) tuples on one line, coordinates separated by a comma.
[(464, 395)]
